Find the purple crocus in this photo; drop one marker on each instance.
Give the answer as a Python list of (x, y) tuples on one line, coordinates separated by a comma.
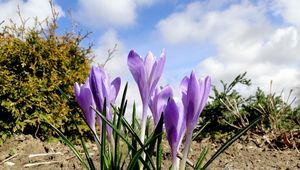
[(146, 73), (85, 100), (159, 101), (102, 88), (194, 97), (175, 121)]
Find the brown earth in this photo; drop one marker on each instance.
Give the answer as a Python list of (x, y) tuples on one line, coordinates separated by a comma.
[(18, 153)]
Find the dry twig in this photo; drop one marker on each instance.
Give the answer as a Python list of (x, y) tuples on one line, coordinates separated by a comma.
[(40, 163), (9, 158), (44, 154)]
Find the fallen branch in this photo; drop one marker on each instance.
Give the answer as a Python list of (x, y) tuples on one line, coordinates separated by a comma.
[(9, 158), (44, 154), (40, 163)]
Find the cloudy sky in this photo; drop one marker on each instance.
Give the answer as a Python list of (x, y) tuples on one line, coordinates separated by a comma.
[(220, 38)]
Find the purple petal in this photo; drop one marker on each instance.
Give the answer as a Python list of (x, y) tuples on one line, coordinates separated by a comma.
[(136, 66), (115, 87), (171, 116), (84, 98), (148, 63), (193, 100), (153, 105), (137, 69), (183, 88), (87, 100), (206, 86), (184, 84), (175, 125), (76, 90), (156, 72), (109, 117), (159, 102), (97, 86)]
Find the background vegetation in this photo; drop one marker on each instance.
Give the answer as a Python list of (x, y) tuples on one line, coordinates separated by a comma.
[(34, 63), (228, 111)]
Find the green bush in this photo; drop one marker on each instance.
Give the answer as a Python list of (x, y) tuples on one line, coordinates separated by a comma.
[(223, 111), (278, 115), (228, 111), (33, 65)]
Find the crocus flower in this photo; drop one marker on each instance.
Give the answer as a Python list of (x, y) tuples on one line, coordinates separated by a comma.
[(194, 97), (146, 73), (159, 101), (85, 100), (102, 89), (175, 120)]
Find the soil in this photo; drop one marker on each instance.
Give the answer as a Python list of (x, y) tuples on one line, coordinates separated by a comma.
[(26, 152)]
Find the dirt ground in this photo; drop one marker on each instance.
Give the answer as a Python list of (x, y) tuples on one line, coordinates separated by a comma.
[(26, 152)]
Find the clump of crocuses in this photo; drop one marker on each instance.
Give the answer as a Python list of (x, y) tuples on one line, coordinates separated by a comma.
[(92, 94), (180, 117)]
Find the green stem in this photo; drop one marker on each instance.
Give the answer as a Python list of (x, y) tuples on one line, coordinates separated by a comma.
[(97, 143), (143, 125), (143, 129), (112, 146), (175, 162)]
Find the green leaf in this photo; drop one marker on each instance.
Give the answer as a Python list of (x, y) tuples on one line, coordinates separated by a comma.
[(198, 132), (103, 139), (134, 142), (120, 115), (113, 127), (159, 154), (138, 156), (136, 137), (158, 130), (87, 155), (201, 158), (127, 142), (86, 152), (68, 143)]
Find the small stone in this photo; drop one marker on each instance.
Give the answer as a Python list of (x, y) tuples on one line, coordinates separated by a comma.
[(239, 146), (9, 163)]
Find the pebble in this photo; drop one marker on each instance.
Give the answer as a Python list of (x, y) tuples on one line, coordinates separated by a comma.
[(9, 163)]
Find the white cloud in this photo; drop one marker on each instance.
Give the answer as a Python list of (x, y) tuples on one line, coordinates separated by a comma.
[(196, 23), (245, 39), (182, 26), (288, 9), (117, 66), (107, 13), (113, 13), (283, 46), (29, 10)]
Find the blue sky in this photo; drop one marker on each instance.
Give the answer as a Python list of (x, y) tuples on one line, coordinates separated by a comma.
[(220, 38)]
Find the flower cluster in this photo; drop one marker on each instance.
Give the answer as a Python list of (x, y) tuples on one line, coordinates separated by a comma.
[(180, 118), (96, 91)]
